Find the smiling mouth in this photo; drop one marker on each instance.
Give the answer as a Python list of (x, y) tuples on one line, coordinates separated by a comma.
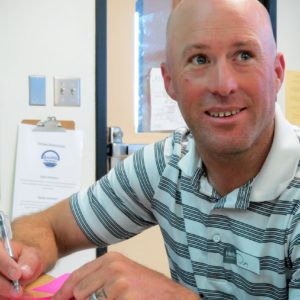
[(224, 114)]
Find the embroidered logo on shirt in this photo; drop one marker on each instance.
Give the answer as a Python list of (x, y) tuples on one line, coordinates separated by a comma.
[(229, 255)]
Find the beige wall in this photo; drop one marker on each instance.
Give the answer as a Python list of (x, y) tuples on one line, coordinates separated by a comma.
[(146, 248)]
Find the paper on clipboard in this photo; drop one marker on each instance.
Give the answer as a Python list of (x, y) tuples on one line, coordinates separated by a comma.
[(48, 168)]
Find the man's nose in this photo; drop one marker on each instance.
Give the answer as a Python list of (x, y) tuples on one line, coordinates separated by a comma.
[(223, 79)]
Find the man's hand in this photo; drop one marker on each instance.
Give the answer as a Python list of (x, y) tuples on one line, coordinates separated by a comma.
[(48, 235), (121, 279), (26, 268)]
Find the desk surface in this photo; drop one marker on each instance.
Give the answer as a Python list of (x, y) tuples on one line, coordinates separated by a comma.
[(40, 281)]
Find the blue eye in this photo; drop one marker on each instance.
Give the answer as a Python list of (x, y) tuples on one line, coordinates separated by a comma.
[(245, 55), (199, 60)]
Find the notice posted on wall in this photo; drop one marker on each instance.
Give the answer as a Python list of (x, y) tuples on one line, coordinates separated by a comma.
[(48, 168), (165, 114)]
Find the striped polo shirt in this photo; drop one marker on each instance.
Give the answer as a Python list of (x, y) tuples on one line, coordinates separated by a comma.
[(245, 245)]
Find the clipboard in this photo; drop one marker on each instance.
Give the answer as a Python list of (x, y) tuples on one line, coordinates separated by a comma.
[(48, 164), (51, 124)]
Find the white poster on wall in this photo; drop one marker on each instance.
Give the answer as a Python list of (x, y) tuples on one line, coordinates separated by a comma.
[(165, 114), (48, 168)]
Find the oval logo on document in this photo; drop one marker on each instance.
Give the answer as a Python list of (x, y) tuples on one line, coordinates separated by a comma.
[(50, 158)]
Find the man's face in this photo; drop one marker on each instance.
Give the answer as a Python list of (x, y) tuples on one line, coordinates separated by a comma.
[(223, 72)]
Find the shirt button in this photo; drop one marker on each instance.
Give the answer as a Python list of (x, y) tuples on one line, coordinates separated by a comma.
[(216, 238)]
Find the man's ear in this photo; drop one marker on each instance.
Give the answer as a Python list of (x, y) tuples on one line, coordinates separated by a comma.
[(279, 70), (167, 81)]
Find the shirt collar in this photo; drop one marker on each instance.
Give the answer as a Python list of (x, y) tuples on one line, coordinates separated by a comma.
[(190, 163), (281, 163)]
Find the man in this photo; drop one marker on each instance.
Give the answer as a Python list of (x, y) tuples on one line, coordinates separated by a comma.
[(224, 193)]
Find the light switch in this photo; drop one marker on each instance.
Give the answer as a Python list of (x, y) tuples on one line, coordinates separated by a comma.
[(37, 90), (66, 91)]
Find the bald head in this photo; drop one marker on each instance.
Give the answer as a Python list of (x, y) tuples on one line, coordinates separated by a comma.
[(192, 15)]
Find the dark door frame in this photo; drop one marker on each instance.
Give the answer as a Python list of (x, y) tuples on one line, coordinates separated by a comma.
[(101, 94), (271, 6), (101, 88)]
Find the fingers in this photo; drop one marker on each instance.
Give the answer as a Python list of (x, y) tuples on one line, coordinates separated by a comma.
[(7, 289), (88, 286), (26, 269), (30, 265), (9, 270), (82, 282), (115, 277), (112, 272), (8, 267)]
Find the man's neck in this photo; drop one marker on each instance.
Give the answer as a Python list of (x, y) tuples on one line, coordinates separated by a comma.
[(228, 172)]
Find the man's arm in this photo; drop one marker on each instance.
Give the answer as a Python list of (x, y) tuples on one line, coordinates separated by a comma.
[(54, 232)]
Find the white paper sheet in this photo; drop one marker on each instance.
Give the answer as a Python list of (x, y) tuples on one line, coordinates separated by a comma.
[(165, 114), (48, 167)]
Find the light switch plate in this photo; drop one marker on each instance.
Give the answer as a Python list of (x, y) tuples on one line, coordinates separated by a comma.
[(37, 90), (66, 91)]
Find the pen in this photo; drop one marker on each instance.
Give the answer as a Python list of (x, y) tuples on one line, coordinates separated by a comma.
[(6, 236)]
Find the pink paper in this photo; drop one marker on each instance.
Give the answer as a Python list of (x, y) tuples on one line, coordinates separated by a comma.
[(43, 298), (53, 286)]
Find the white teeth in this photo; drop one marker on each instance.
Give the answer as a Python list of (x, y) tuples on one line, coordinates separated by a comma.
[(222, 114)]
